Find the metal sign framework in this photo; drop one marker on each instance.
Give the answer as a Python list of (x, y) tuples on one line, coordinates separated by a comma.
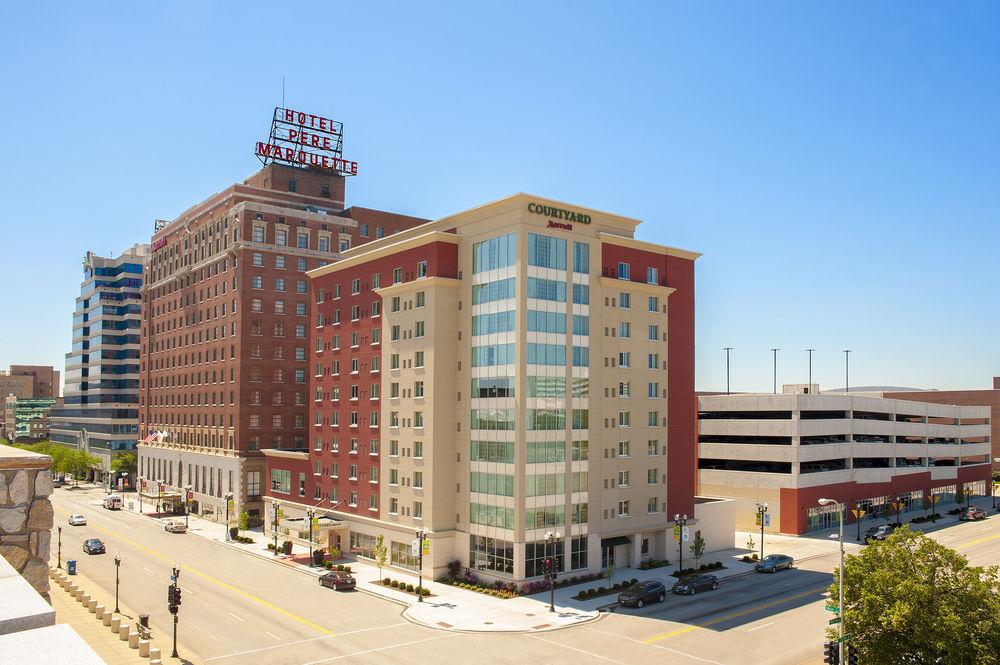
[(305, 139)]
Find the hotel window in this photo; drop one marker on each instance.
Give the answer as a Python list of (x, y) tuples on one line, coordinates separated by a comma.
[(653, 304), (258, 259), (258, 234), (418, 359), (418, 389), (353, 474), (336, 316), (581, 324), (624, 418), (324, 244), (418, 510), (494, 253), (393, 476), (354, 391), (316, 470), (397, 275), (373, 502), (581, 257), (355, 312), (623, 508), (355, 337), (336, 291), (394, 361), (624, 447), (281, 481), (363, 230), (254, 421), (279, 261), (652, 504), (653, 447), (624, 329), (303, 240), (623, 479), (624, 358), (376, 308), (625, 300), (394, 333), (279, 306), (418, 418), (546, 289), (654, 333), (291, 184), (394, 390), (373, 419), (355, 287), (418, 479), (420, 298), (652, 276), (393, 448), (300, 330), (335, 367), (279, 284), (373, 447), (418, 449), (345, 244), (624, 389), (394, 419), (394, 304), (546, 252), (418, 330), (376, 335), (581, 294), (393, 506), (653, 360), (377, 281), (379, 232), (581, 453), (256, 305), (300, 286), (624, 270), (653, 419), (354, 418), (300, 265), (376, 360), (653, 390), (281, 238), (353, 499), (300, 309), (652, 476), (422, 269)]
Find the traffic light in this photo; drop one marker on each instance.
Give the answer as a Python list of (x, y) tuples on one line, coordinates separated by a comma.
[(170, 595), (852, 656), (177, 595), (831, 653)]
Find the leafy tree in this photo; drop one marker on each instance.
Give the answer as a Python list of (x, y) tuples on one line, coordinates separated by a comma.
[(244, 521), (125, 462), (910, 599), (698, 547), (380, 553)]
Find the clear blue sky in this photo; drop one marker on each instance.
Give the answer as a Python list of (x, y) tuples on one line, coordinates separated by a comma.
[(838, 166)]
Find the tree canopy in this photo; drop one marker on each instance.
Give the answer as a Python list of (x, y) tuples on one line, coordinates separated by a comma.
[(125, 462), (910, 599)]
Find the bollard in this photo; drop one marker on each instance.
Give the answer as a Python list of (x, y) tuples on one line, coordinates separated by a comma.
[(92, 606), (154, 654), (84, 598), (116, 623), (99, 612), (71, 588), (123, 631), (133, 639), (144, 648), (155, 661), (107, 618)]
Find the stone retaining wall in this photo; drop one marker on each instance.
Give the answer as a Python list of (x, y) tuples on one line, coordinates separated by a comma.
[(26, 514)]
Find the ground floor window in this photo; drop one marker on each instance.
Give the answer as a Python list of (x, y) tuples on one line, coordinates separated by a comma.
[(977, 488), (491, 554), (362, 544), (578, 553), (911, 501), (401, 554), (535, 555), (944, 494), (822, 517)]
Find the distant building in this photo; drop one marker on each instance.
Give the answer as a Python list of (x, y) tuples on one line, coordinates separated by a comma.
[(791, 449), (100, 412), (23, 381), (27, 419)]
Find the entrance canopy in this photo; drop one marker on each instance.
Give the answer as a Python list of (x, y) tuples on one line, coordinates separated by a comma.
[(615, 541)]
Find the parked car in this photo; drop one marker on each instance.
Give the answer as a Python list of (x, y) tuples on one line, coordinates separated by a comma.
[(77, 520), (338, 580), (772, 563), (973, 514), (694, 583), (879, 532), (175, 526), (641, 593), (93, 546)]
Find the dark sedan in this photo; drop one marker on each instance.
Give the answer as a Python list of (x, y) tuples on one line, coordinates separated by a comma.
[(772, 563), (338, 580), (93, 546), (691, 585), (641, 593)]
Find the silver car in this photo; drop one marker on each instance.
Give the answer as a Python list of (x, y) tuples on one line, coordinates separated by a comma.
[(175, 526), (77, 520)]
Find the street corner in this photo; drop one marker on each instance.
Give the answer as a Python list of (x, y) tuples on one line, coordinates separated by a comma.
[(516, 615)]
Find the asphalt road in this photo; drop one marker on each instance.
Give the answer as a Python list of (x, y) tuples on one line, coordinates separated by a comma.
[(238, 608)]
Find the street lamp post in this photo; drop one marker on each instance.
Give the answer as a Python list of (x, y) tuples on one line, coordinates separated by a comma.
[(274, 525), (309, 516), (187, 503), (992, 489), (421, 534), (229, 499), (118, 565), (934, 500), (680, 522), (176, 580), (761, 512), (550, 572), (59, 550), (840, 598)]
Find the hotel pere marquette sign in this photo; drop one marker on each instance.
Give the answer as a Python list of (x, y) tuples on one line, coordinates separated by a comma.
[(304, 139)]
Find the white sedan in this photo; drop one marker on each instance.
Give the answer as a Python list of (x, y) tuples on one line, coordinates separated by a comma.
[(175, 526), (77, 520)]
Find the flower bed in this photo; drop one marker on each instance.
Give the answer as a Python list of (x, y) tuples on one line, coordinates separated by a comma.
[(502, 592), (653, 563), (405, 587), (587, 594), (703, 568), (329, 565)]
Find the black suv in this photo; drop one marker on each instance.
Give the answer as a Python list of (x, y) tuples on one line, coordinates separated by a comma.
[(641, 593)]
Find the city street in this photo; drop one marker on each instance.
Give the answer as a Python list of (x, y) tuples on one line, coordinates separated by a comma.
[(239, 608)]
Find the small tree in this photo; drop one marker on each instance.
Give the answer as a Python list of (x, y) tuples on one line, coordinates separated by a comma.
[(751, 545), (125, 462), (698, 547), (380, 553), (244, 521), (610, 573)]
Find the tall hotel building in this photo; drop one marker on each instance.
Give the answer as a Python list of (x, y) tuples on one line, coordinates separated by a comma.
[(520, 369), (100, 410), (225, 327)]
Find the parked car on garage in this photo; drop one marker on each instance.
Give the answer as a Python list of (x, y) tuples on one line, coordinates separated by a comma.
[(175, 526), (973, 514), (338, 580), (879, 532), (93, 546), (77, 520), (694, 583), (772, 563), (641, 593)]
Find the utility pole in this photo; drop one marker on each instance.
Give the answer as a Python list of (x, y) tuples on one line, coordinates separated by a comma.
[(810, 384), (727, 349), (774, 352), (847, 370)]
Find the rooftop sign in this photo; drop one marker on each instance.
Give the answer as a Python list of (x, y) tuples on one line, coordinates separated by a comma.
[(559, 213), (304, 139)]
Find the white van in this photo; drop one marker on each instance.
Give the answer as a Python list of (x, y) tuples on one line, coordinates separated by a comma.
[(113, 502)]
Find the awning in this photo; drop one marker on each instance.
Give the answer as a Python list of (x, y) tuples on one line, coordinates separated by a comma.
[(615, 542)]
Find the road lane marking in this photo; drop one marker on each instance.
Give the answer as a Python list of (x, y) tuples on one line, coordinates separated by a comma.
[(272, 635), (148, 570), (213, 637), (735, 615), (187, 590), (390, 646), (978, 540), (759, 627), (225, 585), (236, 617), (655, 646), (566, 646), (313, 639)]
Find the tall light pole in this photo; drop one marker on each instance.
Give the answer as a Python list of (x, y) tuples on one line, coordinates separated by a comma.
[(992, 490), (187, 504), (421, 534), (59, 547), (727, 349), (175, 600), (761, 512), (680, 523), (274, 525), (774, 352), (309, 516), (840, 594), (847, 371), (118, 565), (810, 384), (229, 500), (550, 567)]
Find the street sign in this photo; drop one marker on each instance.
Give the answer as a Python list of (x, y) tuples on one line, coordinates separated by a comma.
[(231, 505), (677, 533), (415, 547), (766, 517), (833, 608), (844, 638), (834, 620), (427, 547), (190, 495), (858, 513), (685, 534)]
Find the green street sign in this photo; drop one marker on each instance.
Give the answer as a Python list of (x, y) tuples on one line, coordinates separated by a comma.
[(844, 638), (833, 608), (834, 620)]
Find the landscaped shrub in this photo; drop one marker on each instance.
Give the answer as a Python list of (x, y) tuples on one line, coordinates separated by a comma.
[(394, 584), (328, 565), (270, 546), (386, 581), (409, 587)]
